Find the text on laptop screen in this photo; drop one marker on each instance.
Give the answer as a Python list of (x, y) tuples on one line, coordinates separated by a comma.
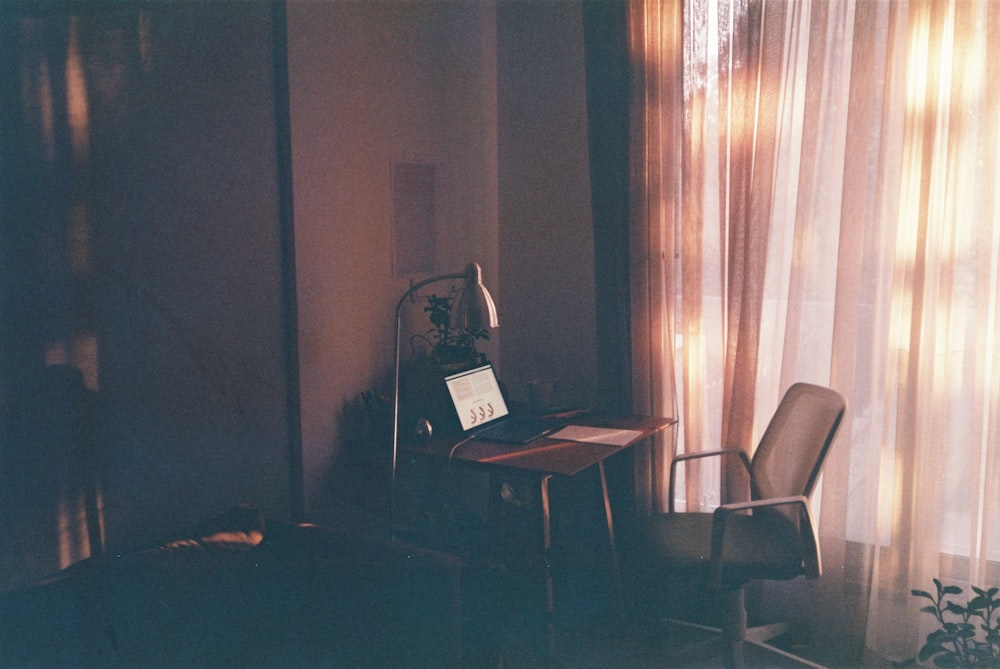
[(476, 396)]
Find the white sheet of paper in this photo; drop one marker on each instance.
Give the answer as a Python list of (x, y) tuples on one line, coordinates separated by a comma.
[(597, 435)]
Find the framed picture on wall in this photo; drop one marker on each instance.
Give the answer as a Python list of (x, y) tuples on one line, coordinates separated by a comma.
[(413, 211)]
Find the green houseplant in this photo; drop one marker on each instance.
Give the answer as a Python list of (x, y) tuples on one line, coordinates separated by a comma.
[(450, 345), (968, 635)]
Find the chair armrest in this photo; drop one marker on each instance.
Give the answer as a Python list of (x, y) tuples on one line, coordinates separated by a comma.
[(808, 542), (721, 452)]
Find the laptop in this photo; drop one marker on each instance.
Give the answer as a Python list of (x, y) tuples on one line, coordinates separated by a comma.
[(482, 409)]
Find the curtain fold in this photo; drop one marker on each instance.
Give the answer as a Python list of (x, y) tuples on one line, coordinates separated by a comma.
[(812, 192), (655, 139)]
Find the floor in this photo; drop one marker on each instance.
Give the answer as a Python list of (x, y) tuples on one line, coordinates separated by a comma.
[(590, 630), (656, 645)]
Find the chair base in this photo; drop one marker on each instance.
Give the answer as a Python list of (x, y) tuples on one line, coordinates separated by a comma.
[(735, 652)]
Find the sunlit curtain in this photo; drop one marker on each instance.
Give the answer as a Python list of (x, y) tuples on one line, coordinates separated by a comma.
[(813, 191)]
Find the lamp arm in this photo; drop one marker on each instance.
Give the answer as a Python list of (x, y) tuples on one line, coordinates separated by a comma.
[(420, 284)]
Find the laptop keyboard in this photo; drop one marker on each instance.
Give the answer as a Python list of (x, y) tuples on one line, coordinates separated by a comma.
[(518, 429)]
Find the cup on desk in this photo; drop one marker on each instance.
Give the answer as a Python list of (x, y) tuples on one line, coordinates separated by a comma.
[(540, 394)]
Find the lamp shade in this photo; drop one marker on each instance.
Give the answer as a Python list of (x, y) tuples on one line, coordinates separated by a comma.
[(474, 308)]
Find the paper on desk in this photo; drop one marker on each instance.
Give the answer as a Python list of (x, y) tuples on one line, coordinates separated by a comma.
[(611, 436)]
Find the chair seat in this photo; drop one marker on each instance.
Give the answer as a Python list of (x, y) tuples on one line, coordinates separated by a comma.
[(760, 546)]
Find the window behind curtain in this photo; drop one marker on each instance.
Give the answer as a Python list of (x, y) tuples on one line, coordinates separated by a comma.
[(862, 137)]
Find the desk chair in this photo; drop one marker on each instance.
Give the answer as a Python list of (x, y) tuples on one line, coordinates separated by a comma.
[(769, 537)]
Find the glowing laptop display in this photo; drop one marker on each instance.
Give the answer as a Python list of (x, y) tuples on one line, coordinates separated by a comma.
[(483, 412), (477, 397)]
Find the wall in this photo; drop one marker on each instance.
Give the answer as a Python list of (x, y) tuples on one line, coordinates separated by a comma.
[(493, 96), (143, 247), (187, 225), (370, 84), (189, 359), (546, 233)]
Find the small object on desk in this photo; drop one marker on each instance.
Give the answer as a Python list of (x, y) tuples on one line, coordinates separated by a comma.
[(540, 393), (610, 436), (424, 429)]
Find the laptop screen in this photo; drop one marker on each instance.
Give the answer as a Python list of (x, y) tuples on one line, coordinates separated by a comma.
[(476, 396)]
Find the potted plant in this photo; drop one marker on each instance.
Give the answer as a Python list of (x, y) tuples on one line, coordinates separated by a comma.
[(968, 635), (451, 346)]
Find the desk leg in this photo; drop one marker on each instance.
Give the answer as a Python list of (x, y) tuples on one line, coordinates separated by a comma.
[(550, 607), (615, 570)]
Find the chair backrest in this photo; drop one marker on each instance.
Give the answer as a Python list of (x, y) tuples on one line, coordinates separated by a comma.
[(790, 454)]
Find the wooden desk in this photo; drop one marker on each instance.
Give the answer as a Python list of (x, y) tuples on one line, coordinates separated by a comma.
[(543, 455), (548, 457)]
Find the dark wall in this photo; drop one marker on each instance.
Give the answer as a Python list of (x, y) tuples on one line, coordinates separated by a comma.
[(143, 246), (546, 238)]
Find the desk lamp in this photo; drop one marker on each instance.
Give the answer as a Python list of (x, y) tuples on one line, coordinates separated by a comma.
[(473, 310)]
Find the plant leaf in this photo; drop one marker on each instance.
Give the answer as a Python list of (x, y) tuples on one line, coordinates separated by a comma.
[(978, 603), (928, 652), (952, 607)]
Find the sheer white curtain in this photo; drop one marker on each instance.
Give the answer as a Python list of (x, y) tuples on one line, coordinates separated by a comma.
[(814, 200)]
